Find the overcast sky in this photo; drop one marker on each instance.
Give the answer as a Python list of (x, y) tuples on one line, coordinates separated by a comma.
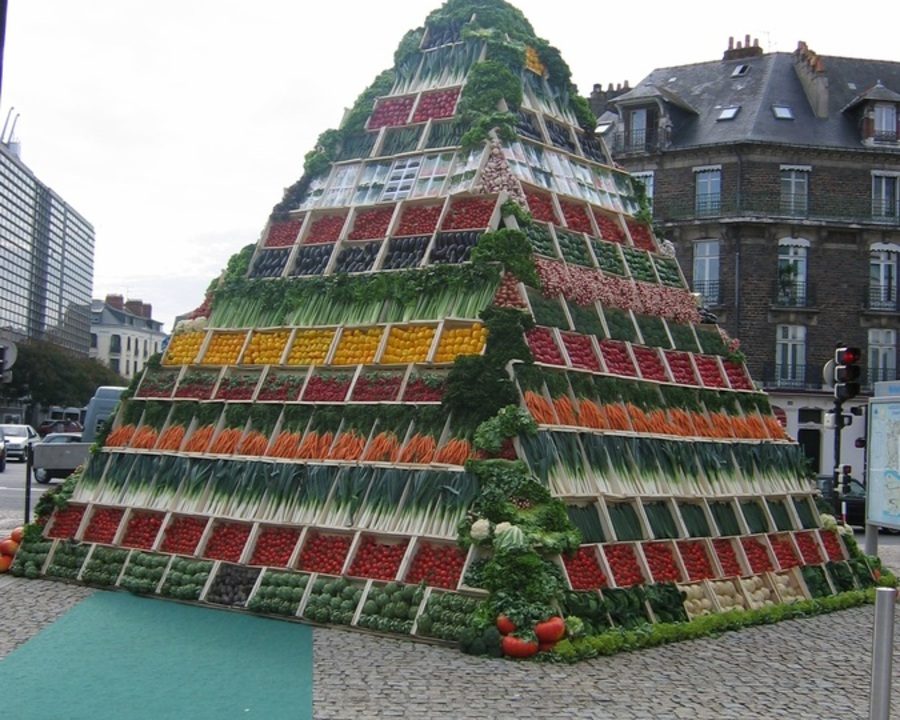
[(173, 126)]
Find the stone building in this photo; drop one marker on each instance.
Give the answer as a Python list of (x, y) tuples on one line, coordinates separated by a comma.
[(776, 176)]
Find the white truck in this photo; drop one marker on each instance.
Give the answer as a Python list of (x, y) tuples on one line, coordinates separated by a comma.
[(59, 459)]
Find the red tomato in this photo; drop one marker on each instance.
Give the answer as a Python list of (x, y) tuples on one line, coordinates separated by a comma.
[(550, 630), (517, 647), (505, 625)]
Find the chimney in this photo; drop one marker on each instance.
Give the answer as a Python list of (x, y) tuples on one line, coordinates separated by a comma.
[(600, 99), (115, 301), (135, 307), (741, 50), (810, 69), (146, 310)]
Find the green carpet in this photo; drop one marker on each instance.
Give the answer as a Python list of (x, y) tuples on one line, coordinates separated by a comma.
[(128, 658)]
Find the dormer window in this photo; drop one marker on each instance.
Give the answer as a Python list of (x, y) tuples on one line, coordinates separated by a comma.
[(729, 113), (885, 123), (782, 112), (740, 70)]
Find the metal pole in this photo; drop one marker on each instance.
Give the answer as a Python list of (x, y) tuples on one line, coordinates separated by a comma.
[(871, 546), (882, 654), (836, 478), (29, 457)]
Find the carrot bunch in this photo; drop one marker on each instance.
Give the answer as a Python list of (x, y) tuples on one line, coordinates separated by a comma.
[(682, 422), (564, 410), (171, 438), (227, 441), (199, 439), (253, 443), (723, 425), (774, 428), (144, 438), (285, 445), (541, 410), (315, 446), (454, 452), (385, 447), (121, 436), (591, 415), (419, 449), (617, 416), (349, 445)]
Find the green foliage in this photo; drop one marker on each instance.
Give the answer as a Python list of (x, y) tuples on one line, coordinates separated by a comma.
[(487, 84), (583, 113), (512, 249), (53, 375), (646, 636), (476, 390), (507, 423)]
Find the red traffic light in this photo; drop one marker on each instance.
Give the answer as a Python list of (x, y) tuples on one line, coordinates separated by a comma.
[(847, 355)]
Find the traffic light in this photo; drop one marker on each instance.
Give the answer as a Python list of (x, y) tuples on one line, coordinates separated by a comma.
[(846, 373), (845, 479)]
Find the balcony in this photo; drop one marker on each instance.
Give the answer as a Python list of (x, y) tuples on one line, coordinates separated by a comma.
[(791, 377), (794, 205), (636, 141), (874, 375), (889, 137), (708, 204), (884, 210), (792, 294), (710, 291), (882, 298)]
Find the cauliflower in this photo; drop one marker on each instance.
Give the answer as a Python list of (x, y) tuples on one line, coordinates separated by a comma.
[(828, 521), (502, 528), (481, 529)]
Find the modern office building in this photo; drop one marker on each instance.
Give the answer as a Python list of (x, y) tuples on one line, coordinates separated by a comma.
[(47, 260), (123, 334), (777, 178)]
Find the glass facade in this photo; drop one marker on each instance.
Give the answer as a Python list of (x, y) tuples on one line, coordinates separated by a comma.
[(47, 253)]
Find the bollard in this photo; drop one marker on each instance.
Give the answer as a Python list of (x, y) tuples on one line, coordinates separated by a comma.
[(29, 465), (882, 654)]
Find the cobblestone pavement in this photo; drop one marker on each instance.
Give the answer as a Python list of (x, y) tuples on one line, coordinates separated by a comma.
[(815, 668)]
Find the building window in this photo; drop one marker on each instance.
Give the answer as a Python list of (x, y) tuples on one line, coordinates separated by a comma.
[(729, 113), (128, 343), (791, 289), (886, 123), (782, 112), (145, 348), (884, 196), (114, 365), (882, 360), (115, 343), (706, 270), (94, 341), (708, 184), (883, 280), (790, 355), (794, 190), (637, 131)]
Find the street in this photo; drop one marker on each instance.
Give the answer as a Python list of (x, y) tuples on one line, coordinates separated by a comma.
[(12, 489)]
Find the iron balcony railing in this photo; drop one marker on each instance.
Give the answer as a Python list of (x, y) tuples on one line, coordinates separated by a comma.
[(794, 204), (885, 136), (792, 377), (882, 297), (884, 209), (874, 375), (793, 294), (710, 290), (708, 204), (636, 141)]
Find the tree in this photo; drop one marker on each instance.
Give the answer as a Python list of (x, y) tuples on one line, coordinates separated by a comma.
[(52, 375)]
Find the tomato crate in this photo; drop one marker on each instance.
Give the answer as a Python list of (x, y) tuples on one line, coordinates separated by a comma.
[(275, 545), (434, 563), (626, 563), (663, 561), (182, 534), (324, 552), (332, 600), (65, 522), (834, 547), (758, 552), (699, 559), (810, 545), (730, 555), (141, 529), (786, 552), (226, 541), (378, 557), (103, 525)]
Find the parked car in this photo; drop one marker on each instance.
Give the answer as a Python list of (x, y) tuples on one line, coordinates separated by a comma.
[(45, 475), (2, 451), (18, 438), (59, 426)]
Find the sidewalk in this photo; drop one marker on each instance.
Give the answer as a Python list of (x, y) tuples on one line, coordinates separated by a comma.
[(802, 669)]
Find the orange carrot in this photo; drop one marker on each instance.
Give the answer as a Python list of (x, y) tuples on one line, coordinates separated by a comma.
[(454, 452), (255, 443), (540, 409), (617, 417), (419, 449), (171, 439), (591, 416), (285, 445), (120, 436), (348, 446), (226, 442), (385, 447), (144, 438), (564, 411), (199, 439)]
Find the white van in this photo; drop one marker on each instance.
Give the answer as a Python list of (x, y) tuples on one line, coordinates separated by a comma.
[(100, 407)]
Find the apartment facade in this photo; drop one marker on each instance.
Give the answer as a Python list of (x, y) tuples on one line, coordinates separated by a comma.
[(123, 334), (47, 256), (777, 178)]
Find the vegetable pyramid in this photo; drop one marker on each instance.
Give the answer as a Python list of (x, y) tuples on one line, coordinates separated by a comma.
[(457, 377)]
